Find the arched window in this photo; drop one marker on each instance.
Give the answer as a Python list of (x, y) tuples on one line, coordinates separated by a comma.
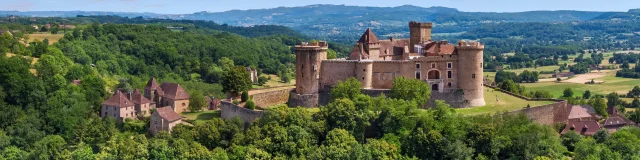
[(434, 74)]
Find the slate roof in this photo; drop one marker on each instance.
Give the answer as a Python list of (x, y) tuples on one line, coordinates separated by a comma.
[(138, 98), (118, 100), (168, 114), (586, 128), (174, 91)]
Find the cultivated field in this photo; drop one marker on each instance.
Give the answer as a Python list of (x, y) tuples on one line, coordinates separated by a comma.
[(274, 82), (611, 84), (53, 38)]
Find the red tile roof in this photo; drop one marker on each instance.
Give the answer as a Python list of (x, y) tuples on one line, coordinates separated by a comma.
[(368, 37), (586, 128), (174, 91), (168, 114), (153, 85), (581, 111), (118, 100), (137, 97)]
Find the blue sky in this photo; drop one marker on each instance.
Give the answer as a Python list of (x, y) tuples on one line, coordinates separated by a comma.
[(190, 6)]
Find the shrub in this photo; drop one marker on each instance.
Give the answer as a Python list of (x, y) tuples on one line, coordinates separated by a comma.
[(235, 101), (245, 96), (250, 105)]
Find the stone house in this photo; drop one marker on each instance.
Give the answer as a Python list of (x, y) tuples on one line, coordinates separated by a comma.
[(142, 104), (119, 107), (163, 119), (167, 94)]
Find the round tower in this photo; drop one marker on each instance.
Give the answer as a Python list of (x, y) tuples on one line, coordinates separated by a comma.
[(309, 57), (470, 72), (418, 32), (363, 72)]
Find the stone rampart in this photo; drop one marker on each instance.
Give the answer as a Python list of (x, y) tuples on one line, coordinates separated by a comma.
[(271, 98), (230, 110), (549, 114), (303, 100)]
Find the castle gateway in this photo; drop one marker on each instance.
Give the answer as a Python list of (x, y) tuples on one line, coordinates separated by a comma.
[(453, 71)]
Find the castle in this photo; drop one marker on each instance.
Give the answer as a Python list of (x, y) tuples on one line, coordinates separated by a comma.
[(454, 71)]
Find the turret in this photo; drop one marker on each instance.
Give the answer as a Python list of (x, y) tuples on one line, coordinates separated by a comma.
[(470, 80), (309, 57), (363, 72), (419, 32)]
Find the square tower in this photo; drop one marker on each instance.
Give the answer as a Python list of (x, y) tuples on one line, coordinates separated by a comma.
[(418, 33)]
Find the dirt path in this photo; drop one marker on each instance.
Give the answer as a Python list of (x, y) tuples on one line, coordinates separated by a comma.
[(582, 78)]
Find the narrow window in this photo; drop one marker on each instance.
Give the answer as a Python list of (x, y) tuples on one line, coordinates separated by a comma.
[(449, 74), (481, 65), (417, 75), (362, 78), (417, 65), (473, 76), (433, 65), (449, 65), (364, 70), (449, 84)]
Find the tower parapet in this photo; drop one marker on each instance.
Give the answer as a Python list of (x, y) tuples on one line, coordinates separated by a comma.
[(419, 32), (470, 57)]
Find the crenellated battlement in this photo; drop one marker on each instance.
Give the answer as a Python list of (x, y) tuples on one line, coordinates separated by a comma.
[(420, 24), (312, 46), (472, 45)]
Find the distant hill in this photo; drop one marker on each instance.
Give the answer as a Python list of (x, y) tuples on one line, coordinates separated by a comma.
[(345, 23)]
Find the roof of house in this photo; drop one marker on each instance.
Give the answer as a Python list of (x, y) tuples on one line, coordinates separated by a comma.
[(174, 91), (118, 100), (168, 114), (138, 98), (581, 111), (582, 127), (153, 85), (368, 37), (439, 48)]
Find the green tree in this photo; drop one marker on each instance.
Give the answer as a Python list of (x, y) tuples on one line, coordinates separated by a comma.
[(347, 89), (600, 106), (411, 90), (331, 54), (338, 144), (236, 81), (262, 80), (613, 99), (586, 94), (567, 93), (49, 147), (570, 139), (250, 105), (197, 101), (245, 96)]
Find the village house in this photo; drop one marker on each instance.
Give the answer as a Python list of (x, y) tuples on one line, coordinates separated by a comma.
[(163, 119), (119, 107), (142, 104), (167, 94), (584, 120)]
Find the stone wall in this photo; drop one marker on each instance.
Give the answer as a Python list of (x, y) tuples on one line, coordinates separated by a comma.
[(547, 114), (271, 98), (453, 98), (303, 100), (230, 110)]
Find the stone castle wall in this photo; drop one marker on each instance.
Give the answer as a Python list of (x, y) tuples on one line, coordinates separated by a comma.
[(230, 110), (333, 71), (303, 100), (549, 114), (271, 98)]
